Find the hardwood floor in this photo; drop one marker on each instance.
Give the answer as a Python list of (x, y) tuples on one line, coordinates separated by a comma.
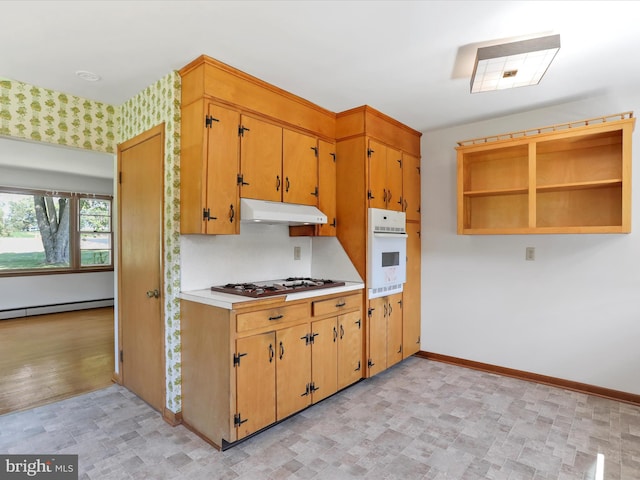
[(47, 358)]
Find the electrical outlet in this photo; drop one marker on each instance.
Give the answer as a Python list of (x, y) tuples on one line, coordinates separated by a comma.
[(530, 253), (296, 253)]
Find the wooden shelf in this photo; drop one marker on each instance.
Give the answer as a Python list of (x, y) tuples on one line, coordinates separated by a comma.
[(488, 193), (567, 180), (614, 182)]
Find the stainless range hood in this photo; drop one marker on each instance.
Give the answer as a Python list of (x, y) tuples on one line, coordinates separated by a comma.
[(262, 211)]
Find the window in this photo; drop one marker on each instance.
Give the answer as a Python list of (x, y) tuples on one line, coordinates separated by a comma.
[(54, 231)]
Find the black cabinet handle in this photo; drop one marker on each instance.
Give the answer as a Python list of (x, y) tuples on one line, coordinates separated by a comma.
[(276, 317), (287, 184), (281, 350), (341, 304), (271, 353), (277, 183), (232, 213)]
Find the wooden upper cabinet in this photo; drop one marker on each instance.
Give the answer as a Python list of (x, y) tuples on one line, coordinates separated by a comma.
[(208, 169), (385, 176), (411, 186), (377, 154), (394, 179), (260, 159), (222, 171), (327, 186), (299, 168), (562, 179)]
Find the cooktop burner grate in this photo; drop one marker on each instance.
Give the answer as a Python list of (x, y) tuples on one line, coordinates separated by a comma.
[(276, 287)]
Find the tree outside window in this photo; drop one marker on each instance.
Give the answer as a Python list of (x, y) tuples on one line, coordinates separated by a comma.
[(54, 232)]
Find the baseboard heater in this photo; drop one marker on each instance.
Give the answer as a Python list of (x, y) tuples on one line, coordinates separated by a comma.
[(54, 308)]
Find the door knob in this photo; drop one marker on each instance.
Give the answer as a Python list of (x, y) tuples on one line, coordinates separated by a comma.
[(153, 293)]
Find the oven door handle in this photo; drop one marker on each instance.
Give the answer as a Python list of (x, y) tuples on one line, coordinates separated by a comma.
[(390, 235)]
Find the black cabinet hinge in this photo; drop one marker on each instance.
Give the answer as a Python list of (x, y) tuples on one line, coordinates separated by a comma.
[(370, 363), (358, 367), (359, 323), (240, 180), (315, 151), (370, 311), (315, 192), (208, 121), (312, 387), (369, 194), (241, 130), (369, 152), (206, 214), (333, 224), (237, 420), (334, 157), (236, 359)]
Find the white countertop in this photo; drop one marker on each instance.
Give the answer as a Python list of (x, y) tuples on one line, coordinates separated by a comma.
[(227, 301)]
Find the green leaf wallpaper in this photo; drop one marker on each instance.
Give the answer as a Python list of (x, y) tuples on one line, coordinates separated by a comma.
[(156, 104), (40, 114)]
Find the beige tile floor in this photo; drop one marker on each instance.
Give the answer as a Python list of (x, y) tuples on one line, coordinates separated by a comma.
[(418, 420)]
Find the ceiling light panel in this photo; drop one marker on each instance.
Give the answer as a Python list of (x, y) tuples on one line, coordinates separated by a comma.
[(516, 64)]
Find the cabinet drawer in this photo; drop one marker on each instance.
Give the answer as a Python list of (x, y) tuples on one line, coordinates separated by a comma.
[(336, 305), (272, 316)]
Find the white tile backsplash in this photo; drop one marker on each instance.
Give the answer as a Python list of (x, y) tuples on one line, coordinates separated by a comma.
[(259, 253)]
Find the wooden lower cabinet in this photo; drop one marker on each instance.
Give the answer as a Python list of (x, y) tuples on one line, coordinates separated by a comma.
[(293, 370), (349, 348), (247, 368), (324, 359), (255, 383), (385, 333)]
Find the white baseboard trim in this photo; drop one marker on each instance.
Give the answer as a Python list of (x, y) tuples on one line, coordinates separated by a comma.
[(56, 308)]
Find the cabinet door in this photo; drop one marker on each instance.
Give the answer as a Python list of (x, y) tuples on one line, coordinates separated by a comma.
[(260, 160), (327, 186), (394, 329), (377, 329), (411, 293), (222, 172), (394, 180), (349, 348), (377, 154), (324, 358), (255, 383), (411, 186), (300, 168), (294, 370)]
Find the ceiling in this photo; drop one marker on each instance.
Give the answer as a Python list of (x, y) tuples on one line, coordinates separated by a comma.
[(409, 59)]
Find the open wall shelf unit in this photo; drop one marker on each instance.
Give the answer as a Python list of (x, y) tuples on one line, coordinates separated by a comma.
[(568, 178)]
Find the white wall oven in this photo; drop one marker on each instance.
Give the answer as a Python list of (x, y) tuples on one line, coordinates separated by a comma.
[(386, 252)]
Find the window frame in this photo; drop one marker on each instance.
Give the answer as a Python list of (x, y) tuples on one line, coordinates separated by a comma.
[(75, 250)]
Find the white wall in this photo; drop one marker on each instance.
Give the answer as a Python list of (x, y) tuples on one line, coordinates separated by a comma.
[(573, 313), (37, 290)]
